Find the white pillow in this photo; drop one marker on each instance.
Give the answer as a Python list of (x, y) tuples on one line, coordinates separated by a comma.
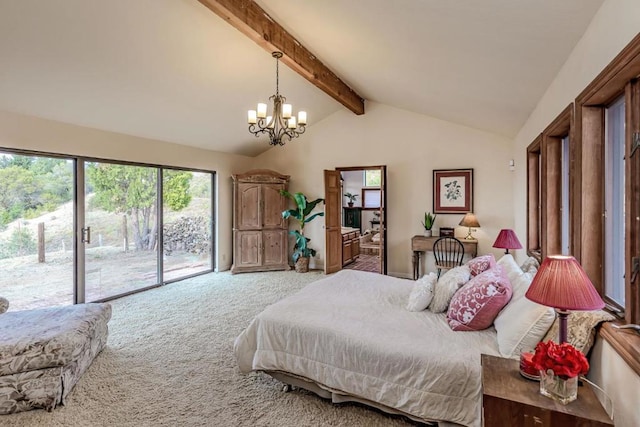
[(522, 323), (520, 284), (510, 266), (422, 292), (447, 286)]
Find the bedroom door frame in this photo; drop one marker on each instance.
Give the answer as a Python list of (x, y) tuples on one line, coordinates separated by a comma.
[(383, 213)]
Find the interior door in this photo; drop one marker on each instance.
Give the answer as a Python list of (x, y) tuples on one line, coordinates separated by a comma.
[(333, 234), (383, 219)]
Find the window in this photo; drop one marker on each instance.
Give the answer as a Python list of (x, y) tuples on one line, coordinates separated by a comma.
[(564, 205), (608, 113), (593, 167), (371, 198), (614, 191), (549, 189), (372, 178), (534, 216)]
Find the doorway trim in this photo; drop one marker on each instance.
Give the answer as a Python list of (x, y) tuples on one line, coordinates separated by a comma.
[(383, 210)]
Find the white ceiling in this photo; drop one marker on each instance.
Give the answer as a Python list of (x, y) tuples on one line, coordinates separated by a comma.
[(172, 70)]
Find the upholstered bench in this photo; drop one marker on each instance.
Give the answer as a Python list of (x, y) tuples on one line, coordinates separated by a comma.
[(44, 352)]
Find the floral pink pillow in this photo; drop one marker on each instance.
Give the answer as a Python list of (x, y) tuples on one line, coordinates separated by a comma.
[(476, 304), (481, 264)]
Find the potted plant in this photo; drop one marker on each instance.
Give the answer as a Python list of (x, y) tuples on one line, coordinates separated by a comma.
[(301, 251), (352, 198), (428, 222)]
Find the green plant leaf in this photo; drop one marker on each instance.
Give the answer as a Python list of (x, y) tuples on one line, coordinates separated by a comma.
[(311, 206), (313, 216)]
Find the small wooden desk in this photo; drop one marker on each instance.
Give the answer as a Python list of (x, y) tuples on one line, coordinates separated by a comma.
[(421, 244), (510, 400)]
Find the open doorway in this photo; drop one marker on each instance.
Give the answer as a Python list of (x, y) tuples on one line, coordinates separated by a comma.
[(356, 219)]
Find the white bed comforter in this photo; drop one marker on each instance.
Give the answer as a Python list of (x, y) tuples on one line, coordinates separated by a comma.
[(352, 332)]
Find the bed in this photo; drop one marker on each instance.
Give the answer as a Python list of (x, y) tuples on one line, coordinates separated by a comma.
[(349, 336)]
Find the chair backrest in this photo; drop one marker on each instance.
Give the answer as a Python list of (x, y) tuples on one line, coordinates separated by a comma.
[(448, 251)]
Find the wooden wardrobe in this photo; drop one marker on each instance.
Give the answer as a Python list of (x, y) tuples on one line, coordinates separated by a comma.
[(260, 234)]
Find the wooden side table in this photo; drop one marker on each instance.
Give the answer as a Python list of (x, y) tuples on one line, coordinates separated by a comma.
[(510, 400)]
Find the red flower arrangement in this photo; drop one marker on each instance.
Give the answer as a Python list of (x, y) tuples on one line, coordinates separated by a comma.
[(563, 359)]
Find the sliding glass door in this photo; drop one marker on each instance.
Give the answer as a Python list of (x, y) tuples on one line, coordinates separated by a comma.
[(36, 230), (120, 232), (187, 227), (74, 230)]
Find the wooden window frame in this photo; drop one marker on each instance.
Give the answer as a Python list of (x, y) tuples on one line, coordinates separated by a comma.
[(374, 192), (584, 123), (534, 196), (551, 181), (620, 77)]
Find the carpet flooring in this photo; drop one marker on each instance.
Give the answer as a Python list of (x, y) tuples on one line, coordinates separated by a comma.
[(169, 362)]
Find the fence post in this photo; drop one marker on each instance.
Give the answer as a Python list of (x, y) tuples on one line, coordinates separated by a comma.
[(41, 242), (125, 234)]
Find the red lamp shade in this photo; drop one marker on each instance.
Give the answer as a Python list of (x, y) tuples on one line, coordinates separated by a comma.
[(562, 283), (507, 239)]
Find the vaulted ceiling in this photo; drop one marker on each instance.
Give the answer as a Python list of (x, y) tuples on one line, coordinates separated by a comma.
[(174, 71)]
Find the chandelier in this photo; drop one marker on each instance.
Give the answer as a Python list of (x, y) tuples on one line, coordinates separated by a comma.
[(281, 126)]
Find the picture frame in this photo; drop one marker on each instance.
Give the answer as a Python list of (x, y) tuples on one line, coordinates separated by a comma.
[(447, 232), (452, 191)]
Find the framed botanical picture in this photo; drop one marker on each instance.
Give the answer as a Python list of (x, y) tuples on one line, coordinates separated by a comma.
[(452, 191)]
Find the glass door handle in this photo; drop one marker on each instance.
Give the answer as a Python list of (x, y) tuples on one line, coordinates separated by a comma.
[(86, 235)]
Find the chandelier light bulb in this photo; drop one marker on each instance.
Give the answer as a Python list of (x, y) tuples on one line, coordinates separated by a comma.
[(252, 118), (286, 111), (262, 110), (302, 118)]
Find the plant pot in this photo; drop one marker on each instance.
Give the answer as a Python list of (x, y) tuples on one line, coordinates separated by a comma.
[(302, 265), (350, 204), (427, 233)]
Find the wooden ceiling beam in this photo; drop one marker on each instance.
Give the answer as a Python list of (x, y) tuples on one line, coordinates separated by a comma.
[(254, 22)]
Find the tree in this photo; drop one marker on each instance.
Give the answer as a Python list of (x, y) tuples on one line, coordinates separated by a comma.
[(132, 190), (31, 185), (18, 192)]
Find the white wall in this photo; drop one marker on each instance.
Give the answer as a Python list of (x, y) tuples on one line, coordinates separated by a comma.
[(619, 382), (352, 183), (31, 133), (411, 146), (613, 27)]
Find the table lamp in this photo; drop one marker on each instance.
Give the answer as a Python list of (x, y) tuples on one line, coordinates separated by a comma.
[(507, 239), (469, 220), (561, 283)]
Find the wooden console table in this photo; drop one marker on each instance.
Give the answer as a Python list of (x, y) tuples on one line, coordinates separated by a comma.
[(421, 244)]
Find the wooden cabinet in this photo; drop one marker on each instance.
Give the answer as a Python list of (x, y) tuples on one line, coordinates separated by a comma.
[(350, 246), (260, 241), (510, 400), (352, 217)]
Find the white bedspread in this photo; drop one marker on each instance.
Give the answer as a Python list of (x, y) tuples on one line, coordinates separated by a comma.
[(352, 332)]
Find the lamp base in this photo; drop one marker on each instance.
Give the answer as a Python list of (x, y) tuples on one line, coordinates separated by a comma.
[(563, 317), (469, 236)]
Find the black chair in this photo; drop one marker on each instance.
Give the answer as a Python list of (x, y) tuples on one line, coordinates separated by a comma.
[(448, 252)]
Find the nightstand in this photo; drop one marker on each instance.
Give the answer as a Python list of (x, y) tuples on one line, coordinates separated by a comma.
[(510, 400)]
